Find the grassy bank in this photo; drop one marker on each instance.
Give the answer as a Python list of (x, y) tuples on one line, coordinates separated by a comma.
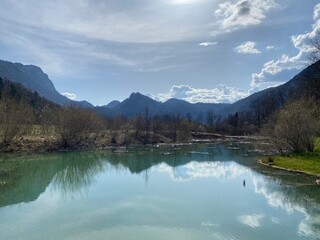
[(308, 163)]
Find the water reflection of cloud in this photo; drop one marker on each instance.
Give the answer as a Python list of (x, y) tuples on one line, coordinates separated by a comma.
[(305, 227), (277, 198), (253, 220), (209, 224), (275, 220), (193, 170)]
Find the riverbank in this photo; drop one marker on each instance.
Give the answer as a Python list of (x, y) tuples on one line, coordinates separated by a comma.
[(307, 163), (52, 142)]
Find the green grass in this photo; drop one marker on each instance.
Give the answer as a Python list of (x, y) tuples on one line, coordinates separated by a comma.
[(303, 162), (317, 148)]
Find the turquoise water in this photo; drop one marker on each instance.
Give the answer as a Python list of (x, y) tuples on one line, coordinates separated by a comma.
[(184, 192)]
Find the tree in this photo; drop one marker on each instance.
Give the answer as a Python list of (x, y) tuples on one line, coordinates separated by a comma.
[(15, 118), (262, 108), (295, 127), (233, 121), (76, 124), (210, 119), (176, 125)]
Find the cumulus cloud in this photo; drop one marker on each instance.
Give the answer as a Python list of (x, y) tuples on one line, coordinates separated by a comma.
[(243, 13), (71, 96), (303, 43), (247, 48), (316, 12), (207, 44), (219, 94)]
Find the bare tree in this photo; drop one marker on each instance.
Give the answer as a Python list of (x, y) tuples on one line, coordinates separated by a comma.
[(295, 127), (15, 118), (76, 124), (176, 125), (210, 119)]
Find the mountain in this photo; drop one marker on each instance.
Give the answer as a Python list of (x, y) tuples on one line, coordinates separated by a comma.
[(195, 109), (34, 79), (306, 83), (113, 104), (137, 104), (18, 92)]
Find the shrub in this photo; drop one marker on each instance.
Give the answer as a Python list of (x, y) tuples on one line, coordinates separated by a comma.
[(295, 127)]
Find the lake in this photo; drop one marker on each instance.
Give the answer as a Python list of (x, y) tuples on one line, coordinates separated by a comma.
[(206, 191)]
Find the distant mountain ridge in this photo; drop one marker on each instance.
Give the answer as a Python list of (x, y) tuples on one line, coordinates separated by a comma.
[(34, 79), (137, 104), (307, 82)]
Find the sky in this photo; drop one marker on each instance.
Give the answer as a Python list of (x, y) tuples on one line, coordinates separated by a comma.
[(196, 50)]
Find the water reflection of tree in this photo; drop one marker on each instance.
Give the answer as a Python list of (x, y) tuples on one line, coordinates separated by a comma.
[(77, 172), (24, 178)]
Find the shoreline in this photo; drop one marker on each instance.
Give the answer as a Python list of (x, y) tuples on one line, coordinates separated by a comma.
[(286, 169), (52, 144)]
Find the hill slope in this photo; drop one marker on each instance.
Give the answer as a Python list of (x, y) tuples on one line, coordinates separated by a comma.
[(306, 83), (34, 79), (32, 99)]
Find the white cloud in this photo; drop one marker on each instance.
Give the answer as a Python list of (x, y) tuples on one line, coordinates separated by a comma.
[(316, 12), (247, 48), (303, 43), (243, 13), (71, 96), (220, 94), (270, 47), (253, 221), (274, 67), (207, 44)]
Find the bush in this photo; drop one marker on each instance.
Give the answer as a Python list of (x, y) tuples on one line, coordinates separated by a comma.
[(295, 127)]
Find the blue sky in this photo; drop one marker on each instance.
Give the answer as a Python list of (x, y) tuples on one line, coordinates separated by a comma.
[(196, 50)]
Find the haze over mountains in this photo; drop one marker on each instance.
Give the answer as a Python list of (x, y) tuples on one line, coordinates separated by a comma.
[(33, 78)]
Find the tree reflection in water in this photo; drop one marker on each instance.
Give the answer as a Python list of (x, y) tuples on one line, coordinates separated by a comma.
[(77, 172)]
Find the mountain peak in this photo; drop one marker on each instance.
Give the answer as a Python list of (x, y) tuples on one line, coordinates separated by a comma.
[(137, 95), (33, 78), (113, 104)]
